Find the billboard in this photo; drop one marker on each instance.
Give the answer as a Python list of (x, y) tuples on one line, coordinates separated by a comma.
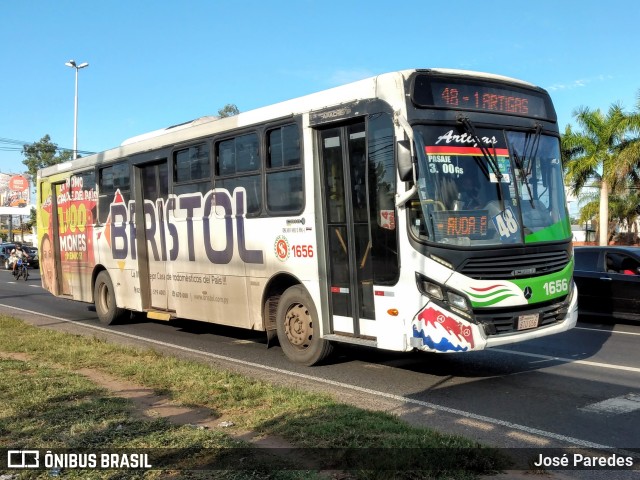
[(15, 194)]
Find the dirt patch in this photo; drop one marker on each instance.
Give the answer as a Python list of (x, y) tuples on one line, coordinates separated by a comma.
[(149, 405)]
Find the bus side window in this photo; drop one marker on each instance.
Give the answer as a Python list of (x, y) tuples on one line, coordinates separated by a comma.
[(111, 179), (247, 153), (83, 192), (191, 170), (238, 166), (382, 188), (284, 170), (226, 158)]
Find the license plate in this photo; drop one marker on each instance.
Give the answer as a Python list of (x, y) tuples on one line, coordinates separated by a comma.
[(528, 321)]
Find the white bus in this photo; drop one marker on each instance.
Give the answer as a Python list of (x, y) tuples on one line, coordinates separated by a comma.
[(420, 209)]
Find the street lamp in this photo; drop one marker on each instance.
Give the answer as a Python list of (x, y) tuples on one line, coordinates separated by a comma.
[(72, 64)]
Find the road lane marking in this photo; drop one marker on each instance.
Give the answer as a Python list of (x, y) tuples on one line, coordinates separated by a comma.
[(390, 396), (615, 406), (608, 331), (525, 437), (568, 360)]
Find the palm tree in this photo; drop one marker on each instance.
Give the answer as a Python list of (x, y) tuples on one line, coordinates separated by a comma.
[(603, 152), (624, 210), (589, 208), (630, 152)]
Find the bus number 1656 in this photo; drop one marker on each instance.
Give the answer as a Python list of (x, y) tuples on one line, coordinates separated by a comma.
[(551, 288), (304, 251)]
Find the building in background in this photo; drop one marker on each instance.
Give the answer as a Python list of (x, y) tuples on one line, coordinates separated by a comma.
[(15, 205)]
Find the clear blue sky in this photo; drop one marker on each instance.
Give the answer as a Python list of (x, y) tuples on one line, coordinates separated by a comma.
[(155, 63)]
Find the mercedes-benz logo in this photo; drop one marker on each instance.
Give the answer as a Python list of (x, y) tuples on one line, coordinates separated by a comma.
[(527, 292)]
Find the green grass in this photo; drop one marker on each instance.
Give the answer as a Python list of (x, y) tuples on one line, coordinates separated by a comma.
[(44, 404)]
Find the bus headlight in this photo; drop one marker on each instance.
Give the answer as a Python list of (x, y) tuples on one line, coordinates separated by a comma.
[(430, 289), (445, 297), (458, 301)]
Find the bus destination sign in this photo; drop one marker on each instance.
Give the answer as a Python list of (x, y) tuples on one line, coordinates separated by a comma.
[(480, 96), (470, 223)]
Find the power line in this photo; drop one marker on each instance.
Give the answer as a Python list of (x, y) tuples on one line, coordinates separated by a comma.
[(19, 144), (9, 140)]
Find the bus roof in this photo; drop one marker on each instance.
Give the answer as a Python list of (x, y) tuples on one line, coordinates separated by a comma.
[(172, 128), (210, 125), (484, 75)]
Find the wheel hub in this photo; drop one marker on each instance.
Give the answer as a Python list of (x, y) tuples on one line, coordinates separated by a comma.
[(298, 326)]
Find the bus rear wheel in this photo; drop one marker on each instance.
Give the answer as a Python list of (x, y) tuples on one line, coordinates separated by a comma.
[(298, 328), (104, 297)]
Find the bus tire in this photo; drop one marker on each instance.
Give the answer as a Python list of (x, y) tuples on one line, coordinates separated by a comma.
[(104, 297), (298, 328)]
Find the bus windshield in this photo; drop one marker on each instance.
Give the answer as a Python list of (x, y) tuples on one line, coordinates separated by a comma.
[(488, 187)]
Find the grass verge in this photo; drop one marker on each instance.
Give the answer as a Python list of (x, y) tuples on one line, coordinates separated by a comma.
[(45, 404)]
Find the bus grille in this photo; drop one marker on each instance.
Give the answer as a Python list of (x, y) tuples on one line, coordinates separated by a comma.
[(515, 266), (496, 322)]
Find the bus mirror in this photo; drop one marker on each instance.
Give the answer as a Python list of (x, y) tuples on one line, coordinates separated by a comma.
[(405, 163)]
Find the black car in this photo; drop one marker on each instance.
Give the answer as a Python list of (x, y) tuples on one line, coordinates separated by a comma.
[(34, 259), (608, 280), (5, 253)]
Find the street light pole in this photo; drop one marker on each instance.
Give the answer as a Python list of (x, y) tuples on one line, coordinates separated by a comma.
[(72, 64)]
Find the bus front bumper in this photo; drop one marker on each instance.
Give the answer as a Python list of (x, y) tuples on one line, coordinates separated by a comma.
[(436, 329)]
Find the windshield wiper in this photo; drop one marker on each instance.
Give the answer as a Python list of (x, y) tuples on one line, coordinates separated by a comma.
[(491, 159), (520, 169), (535, 143), (521, 162), (523, 176)]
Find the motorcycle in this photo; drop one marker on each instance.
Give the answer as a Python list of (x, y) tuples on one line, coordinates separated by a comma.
[(22, 269)]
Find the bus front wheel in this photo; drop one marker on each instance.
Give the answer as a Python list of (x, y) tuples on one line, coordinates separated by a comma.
[(105, 299), (298, 328)]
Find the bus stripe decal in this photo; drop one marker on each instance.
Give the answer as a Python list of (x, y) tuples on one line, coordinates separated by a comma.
[(464, 150), (486, 288), (339, 290), (490, 294), (488, 303)]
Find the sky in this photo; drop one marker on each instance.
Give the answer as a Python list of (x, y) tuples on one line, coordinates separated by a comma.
[(156, 63)]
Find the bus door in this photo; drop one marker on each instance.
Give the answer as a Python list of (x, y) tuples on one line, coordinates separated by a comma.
[(50, 251), (150, 240), (345, 175)]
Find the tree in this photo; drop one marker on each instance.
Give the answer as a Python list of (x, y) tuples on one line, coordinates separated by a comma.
[(229, 110), (601, 153), (624, 210), (43, 153), (623, 213), (32, 219), (631, 154)]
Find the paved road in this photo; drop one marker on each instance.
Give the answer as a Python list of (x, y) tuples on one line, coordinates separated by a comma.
[(577, 389)]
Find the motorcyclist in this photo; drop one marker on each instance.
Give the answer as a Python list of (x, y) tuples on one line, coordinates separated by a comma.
[(16, 254)]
